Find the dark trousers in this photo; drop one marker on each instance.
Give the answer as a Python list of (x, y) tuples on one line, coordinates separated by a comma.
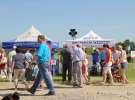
[(102, 63), (28, 74), (67, 67)]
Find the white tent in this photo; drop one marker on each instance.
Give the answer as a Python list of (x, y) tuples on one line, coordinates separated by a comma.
[(92, 39), (90, 36), (30, 35), (27, 40)]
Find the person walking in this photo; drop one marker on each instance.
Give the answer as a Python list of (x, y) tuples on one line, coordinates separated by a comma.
[(43, 56), (19, 68)]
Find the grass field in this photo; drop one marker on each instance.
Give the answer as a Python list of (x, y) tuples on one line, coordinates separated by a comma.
[(130, 73)]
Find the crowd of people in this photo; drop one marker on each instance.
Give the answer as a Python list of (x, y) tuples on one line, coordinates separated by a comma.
[(18, 64), (15, 63), (75, 62), (110, 63)]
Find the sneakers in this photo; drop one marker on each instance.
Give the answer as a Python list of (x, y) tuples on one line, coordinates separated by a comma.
[(50, 93)]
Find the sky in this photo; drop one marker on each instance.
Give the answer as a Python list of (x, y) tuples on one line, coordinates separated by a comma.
[(113, 19)]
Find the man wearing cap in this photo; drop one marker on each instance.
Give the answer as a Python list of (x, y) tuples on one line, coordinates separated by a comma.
[(10, 56)]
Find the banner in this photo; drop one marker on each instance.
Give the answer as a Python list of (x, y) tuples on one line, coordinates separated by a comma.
[(132, 54)]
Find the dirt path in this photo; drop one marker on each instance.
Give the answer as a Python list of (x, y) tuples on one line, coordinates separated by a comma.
[(64, 92)]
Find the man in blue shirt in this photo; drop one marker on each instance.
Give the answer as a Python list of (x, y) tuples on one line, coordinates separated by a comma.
[(43, 56)]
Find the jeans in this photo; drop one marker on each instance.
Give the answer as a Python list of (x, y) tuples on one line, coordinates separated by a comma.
[(43, 74)]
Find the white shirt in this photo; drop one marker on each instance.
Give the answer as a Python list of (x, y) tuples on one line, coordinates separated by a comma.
[(116, 55), (10, 55), (28, 56)]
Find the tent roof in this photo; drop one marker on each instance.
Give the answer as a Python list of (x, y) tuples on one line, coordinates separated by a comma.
[(30, 35), (92, 39), (90, 36), (27, 40)]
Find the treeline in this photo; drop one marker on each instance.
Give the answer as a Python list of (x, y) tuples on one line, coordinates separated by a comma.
[(127, 45)]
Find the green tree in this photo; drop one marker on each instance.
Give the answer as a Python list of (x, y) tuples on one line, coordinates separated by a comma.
[(127, 44)]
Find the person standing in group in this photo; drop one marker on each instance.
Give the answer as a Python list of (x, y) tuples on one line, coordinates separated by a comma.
[(29, 58), (10, 57), (78, 58), (19, 68), (102, 58), (66, 60), (116, 57), (123, 64), (85, 67), (95, 56), (107, 66), (96, 65), (3, 62), (43, 56)]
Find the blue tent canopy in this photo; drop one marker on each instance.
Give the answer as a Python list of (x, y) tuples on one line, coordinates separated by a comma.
[(28, 40), (9, 45)]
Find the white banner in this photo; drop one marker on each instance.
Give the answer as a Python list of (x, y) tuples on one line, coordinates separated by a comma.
[(132, 54)]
